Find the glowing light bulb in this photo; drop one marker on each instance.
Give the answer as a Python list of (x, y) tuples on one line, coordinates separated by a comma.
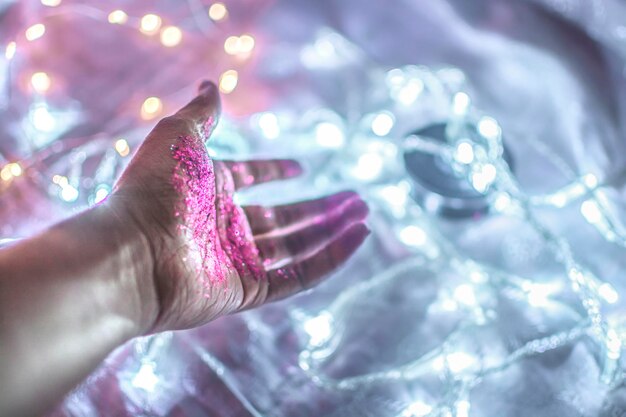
[(16, 169), (268, 122), (232, 45), (51, 3), (410, 92), (218, 11), (462, 408), (5, 173), (464, 153), (150, 24), (464, 293), (145, 378), (35, 31), (590, 180), (69, 193), (460, 103), (488, 128), (382, 124), (319, 328), (171, 36), (121, 146), (417, 409), (151, 108), (368, 167), (42, 120), (457, 362), (228, 81), (118, 17), (102, 191), (329, 135), (9, 52), (413, 236), (246, 43), (591, 211), (40, 82), (607, 292), (394, 194)]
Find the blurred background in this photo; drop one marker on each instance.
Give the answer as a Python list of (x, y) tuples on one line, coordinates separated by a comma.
[(486, 135)]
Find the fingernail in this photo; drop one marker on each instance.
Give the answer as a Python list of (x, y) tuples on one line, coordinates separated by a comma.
[(206, 87)]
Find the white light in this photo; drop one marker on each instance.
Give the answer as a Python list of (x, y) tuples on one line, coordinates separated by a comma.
[(591, 211), (417, 409), (40, 81), (482, 179), (228, 81), (42, 119), (69, 193), (51, 3), (121, 146), (319, 328), (503, 202), (102, 191), (465, 294), (464, 153), (488, 128), (456, 362), (413, 236), (462, 408), (145, 378), (382, 124), (218, 11), (329, 135), (394, 195), (368, 167), (607, 292), (590, 180), (268, 122), (460, 103), (410, 92)]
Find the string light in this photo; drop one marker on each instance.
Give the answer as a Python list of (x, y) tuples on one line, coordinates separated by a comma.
[(40, 81), (9, 52), (228, 81), (11, 170), (218, 11), (36, 31), (239, 45), (121, 146), (382, 124), (151, 108), (150, 24), (118, 17), (51, 3), (329, 135), (171, 36)]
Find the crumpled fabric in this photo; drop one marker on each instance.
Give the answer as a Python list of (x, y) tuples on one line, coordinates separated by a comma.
[(552, 72)]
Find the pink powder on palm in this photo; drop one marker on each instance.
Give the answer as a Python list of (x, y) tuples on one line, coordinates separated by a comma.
[(215, 226)]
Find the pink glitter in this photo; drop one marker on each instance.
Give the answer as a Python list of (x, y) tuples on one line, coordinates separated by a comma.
[(216, 227)]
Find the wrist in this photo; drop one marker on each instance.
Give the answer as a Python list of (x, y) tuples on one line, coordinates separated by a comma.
[(134, 270)]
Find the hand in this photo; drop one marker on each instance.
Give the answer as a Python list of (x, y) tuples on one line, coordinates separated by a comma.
[(209, 256)]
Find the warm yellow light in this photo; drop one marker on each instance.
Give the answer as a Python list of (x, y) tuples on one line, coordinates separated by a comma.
[(121, 146), (15, 169), (151, 108), (118, 17), (9, 53), (218, 11), (11, 170), (51, 3), (40, 82), (246, 43), (35, 31), (5, 173), (228, 81), (232, 45), (150, 24), (171, 36)]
